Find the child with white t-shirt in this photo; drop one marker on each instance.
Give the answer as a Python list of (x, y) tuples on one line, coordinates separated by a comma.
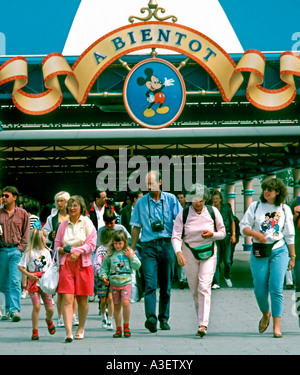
[(35, 261)]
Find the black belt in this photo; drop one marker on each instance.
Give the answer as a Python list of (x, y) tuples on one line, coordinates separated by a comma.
[(10, 246)]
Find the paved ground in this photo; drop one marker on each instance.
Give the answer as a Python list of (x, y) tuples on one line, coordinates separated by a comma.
[(232, 329)]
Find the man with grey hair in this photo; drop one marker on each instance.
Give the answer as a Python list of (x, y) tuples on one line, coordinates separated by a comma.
[(153, 215)]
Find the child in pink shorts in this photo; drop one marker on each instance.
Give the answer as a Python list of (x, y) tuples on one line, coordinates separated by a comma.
[(35, 261), (117, 268)]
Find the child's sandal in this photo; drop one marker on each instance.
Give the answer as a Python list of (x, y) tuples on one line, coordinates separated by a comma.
[(35, 335), (51, 328), (127, 332), (118, 333)]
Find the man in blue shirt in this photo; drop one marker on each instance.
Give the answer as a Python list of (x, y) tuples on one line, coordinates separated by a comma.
[(153, 215)]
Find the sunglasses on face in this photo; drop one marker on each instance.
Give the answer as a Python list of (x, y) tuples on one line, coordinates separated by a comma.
[(5, 195)]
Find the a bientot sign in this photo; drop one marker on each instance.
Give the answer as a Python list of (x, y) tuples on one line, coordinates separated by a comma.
[(184, 40)]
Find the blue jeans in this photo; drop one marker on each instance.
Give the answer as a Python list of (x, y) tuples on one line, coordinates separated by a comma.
[(10, 278), (157, 264), (268, 277), (297, 280)]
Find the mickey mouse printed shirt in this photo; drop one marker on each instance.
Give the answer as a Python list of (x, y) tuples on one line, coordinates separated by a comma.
[(276, 222), (36, 260)]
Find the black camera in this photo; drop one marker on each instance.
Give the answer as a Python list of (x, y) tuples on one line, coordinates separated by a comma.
[(157, 226)]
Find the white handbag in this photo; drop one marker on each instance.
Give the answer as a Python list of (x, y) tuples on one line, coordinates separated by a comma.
[(49, 280)]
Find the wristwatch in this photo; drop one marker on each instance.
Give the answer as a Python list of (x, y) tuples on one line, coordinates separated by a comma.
[(67, 249)]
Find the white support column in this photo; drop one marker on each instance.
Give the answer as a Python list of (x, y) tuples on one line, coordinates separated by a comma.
[(231, 194)]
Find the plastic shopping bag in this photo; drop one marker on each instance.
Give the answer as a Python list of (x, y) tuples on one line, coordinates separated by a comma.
[(49, 280)]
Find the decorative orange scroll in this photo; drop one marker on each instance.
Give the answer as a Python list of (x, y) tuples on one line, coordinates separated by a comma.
[(253, 61), (15, 70), (145, 35)]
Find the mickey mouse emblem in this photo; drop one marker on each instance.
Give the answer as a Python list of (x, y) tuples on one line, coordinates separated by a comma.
[(154, 93)]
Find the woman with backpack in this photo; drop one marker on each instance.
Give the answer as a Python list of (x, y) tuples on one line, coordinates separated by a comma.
[(195, 231)]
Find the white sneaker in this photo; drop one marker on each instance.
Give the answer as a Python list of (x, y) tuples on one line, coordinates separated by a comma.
[(60, 322), (228, 283), (215, 286), (6, 316), (109, 326), (104, 323), (15, 316), (24, 294), (75, 321)]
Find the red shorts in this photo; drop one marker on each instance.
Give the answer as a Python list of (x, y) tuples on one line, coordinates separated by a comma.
[(120, 293), (159, 97), (75, 279)]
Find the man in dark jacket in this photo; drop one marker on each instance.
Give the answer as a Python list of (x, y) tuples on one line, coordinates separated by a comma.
[(224, 246), (126, 212), (97, 208)]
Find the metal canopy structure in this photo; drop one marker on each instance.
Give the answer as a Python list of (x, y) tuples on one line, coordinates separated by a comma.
[(43, 154)]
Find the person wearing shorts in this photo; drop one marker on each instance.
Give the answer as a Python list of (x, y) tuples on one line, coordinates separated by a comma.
[(120, 293), (106, 305), (35, 261), (116, 269), (75, 241)]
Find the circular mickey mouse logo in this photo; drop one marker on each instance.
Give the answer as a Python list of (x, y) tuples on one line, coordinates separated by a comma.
[(154, 93)]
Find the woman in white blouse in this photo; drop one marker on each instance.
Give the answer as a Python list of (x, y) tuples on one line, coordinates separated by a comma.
[(196, 250), (75, 241), (270, 224)]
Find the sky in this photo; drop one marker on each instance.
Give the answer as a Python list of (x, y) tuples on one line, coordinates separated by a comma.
[(35, 27)]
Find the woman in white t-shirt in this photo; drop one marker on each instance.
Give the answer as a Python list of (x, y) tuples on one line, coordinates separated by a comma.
[(270, 223)]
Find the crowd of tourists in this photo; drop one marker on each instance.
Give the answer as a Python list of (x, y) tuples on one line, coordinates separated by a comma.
[(122, 256)]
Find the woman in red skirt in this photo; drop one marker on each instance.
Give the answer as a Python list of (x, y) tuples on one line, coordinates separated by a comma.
[(75, 241)]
